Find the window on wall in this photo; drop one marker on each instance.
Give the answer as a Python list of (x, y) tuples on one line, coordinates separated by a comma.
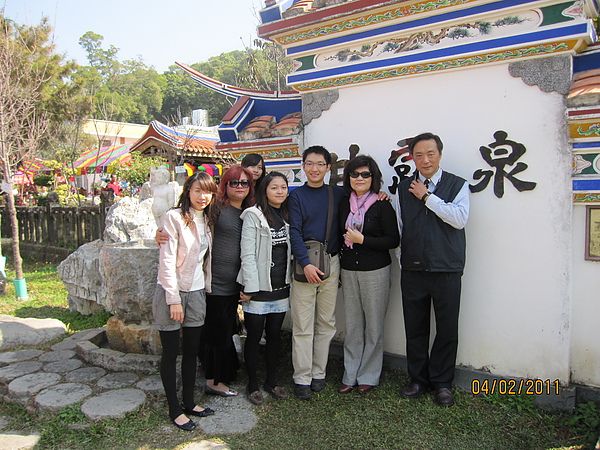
[(592, 233)]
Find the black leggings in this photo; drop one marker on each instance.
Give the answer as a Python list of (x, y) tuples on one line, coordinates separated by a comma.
[(255, 324), (168, 369)]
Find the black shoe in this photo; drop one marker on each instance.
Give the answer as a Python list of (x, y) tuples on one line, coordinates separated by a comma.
[(444, 397), (414, 390), (317, 384), (190, 425), (204, 413), (303, 391)]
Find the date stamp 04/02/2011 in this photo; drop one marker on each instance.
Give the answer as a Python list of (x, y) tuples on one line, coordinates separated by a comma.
[(517, 386)]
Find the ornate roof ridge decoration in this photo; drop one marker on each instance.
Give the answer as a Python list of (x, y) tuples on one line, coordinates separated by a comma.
[(368, 40), (234, 91), (365, 13), (549, 74), (273, 24)]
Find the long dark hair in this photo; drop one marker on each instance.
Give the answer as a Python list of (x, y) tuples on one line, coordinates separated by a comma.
[(262, 202), (254, 159), (363, 161), (207, 184), (234, 173)]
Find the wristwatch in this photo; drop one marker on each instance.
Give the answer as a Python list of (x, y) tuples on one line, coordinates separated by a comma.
[(427, 194)]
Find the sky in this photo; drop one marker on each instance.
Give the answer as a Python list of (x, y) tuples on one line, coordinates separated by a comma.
[(161, 32)]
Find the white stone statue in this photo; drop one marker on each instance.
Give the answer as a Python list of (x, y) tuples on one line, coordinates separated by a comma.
[(163, 193)]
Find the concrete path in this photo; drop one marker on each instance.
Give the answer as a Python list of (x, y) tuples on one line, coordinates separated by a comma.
[(51, 380)]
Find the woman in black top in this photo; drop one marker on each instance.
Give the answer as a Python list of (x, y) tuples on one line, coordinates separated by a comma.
[(370, 230)]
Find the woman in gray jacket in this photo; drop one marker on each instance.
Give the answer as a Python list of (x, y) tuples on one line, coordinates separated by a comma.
[(265, 275)]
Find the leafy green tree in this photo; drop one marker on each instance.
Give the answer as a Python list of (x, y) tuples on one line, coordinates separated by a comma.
[(124, 91), (137, 170), (267, 67)]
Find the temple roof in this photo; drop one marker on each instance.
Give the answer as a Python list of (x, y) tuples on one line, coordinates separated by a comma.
[(160, 139), (284, 110)]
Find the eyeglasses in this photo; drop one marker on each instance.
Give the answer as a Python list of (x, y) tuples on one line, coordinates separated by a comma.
[(311, 164), (364, 174), (236, 183)]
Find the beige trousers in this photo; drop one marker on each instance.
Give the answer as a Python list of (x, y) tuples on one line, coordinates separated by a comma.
[(313, 324)]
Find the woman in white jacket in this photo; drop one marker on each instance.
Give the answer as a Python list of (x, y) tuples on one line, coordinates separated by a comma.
[(180, 297), (265, 275)]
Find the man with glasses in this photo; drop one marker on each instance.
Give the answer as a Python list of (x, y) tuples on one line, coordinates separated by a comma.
[(433, 211), (313, 302)]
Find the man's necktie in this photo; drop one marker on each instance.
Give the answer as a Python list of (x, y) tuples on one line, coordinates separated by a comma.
[(427, 181)]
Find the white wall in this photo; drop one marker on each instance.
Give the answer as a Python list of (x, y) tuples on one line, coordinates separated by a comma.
[(515, 307), (585, 343)]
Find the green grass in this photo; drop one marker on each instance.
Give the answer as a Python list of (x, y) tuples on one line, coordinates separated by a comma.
[(47, 298), (380, 419)]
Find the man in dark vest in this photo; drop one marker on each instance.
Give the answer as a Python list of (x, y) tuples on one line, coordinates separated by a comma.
[(433, 211)]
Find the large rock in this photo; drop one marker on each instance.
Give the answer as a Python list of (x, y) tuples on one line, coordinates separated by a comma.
[(129, 220), (119, 275), (129, 272), (80, 273), (16, 331), (119, 278)]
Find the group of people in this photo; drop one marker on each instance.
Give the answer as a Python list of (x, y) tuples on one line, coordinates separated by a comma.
[(233, 244)]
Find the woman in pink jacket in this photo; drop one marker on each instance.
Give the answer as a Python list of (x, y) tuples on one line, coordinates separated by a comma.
[(180, 298)]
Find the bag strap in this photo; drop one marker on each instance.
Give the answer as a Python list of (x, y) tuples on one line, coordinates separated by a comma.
[(329, 216)]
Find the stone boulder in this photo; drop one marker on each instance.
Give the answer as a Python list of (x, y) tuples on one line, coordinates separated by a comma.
[(129, 220), (80, 273), (119, 275), (129, 272), (120, 278)]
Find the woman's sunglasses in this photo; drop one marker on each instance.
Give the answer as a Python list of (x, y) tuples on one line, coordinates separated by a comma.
[(236, 183), (364, 174)]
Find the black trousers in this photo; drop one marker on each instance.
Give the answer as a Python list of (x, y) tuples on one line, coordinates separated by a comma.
[(219, 358), (419, 291)]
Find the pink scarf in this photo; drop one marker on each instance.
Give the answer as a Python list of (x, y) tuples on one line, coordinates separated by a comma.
[(358, 208)]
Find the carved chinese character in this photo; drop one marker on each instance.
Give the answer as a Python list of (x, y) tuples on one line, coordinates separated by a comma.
[(500, 154), (403, 169)]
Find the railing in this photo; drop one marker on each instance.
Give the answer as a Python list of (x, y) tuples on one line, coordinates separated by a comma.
[(65, 227)]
